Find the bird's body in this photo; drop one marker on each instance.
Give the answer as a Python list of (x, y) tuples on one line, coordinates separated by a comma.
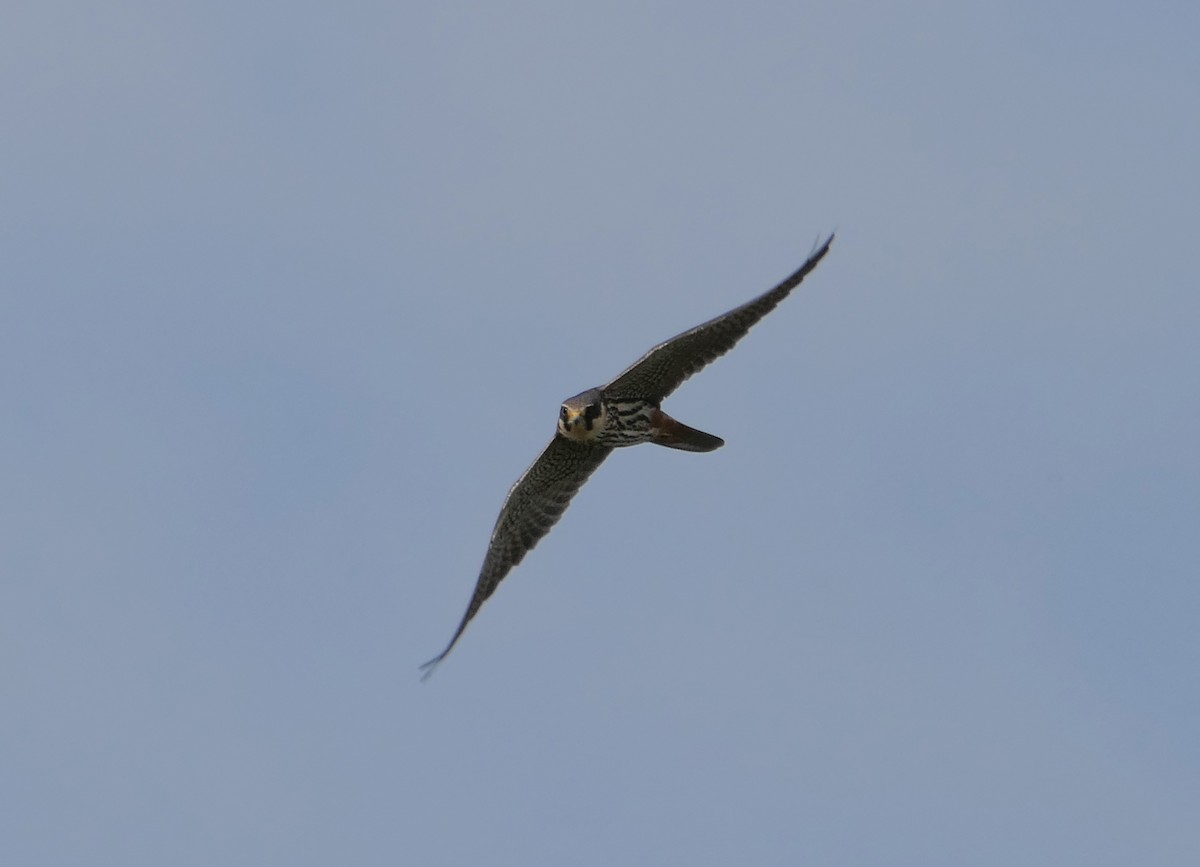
[(592, 417), (625, 412)]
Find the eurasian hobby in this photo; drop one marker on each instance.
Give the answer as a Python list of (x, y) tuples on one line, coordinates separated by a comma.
[(591, 424)]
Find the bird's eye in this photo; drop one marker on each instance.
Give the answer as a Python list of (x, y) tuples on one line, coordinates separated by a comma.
[(593, 411), (562, 413)]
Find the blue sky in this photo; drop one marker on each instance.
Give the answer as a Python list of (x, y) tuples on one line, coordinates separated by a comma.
[(293, 292)]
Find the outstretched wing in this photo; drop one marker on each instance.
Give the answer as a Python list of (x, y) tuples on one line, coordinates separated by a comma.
[(660, 371), (533, 506)]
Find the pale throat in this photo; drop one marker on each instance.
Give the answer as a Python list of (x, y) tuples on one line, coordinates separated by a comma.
[(576, 432)]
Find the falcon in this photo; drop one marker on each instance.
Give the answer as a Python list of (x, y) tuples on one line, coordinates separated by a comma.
[(591, 424)]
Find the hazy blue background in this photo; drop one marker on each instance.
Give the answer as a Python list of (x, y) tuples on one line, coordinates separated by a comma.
[(292, 291)]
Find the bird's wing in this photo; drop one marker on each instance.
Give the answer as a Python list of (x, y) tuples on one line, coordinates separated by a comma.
[(533, 506), (660, 371)]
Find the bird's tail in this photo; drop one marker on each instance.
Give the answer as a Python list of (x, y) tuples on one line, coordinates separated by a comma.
[(677, 435)]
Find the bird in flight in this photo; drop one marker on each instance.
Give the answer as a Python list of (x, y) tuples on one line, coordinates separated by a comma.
[(591, 424)]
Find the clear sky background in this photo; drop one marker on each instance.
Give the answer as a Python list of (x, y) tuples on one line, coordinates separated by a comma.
[(292, 292)]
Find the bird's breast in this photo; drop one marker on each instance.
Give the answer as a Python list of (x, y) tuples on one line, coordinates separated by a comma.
[(626, 422)]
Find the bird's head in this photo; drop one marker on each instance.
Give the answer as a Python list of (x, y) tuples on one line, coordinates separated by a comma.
[(582, 417)]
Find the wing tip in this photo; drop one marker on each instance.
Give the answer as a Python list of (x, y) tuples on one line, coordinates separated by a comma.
[(428, 668)]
